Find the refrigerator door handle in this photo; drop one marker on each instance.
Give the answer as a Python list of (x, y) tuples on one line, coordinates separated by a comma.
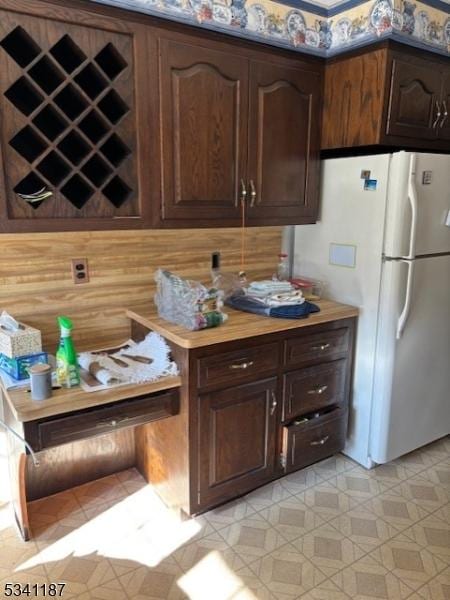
[(412, 197), (403, 318)]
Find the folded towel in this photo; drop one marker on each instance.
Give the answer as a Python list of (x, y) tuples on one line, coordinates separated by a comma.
[(253, 305), (288, 298), (262, 288)]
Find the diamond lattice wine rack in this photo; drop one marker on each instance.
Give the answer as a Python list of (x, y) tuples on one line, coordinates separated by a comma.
[(68, 132)]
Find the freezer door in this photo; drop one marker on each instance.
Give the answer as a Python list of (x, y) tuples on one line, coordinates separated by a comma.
[(418, 204), (411, 398)]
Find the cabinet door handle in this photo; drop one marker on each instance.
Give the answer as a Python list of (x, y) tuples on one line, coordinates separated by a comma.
[(320, 442), (274, 404), (243, 365), (243, 192), (444, 118), (252, 193), (438, 114), (319, 390), (320, 347)]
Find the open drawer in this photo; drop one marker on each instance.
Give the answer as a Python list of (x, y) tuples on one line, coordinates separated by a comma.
[(307, 442)]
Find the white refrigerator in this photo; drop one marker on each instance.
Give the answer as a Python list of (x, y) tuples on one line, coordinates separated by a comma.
[(382, 243)]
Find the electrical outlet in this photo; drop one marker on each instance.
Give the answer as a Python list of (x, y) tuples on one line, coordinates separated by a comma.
[(80, 271)]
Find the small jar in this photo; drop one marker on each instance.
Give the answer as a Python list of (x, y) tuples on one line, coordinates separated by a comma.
[(41, 381), (283, 267)]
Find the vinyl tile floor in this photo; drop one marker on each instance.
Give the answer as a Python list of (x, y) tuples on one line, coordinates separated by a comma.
[(332, 531)]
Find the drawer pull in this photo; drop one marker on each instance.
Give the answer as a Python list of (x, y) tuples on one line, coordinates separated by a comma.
[(244, 365), (113, 422), (320, 347), (274, 404), (438, 114), (320, 442), (319, 390)]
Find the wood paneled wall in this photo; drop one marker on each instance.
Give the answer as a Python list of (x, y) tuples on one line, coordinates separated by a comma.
[(36, 280)]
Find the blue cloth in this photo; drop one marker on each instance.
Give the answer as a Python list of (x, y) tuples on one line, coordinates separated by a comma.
[(286, 311)]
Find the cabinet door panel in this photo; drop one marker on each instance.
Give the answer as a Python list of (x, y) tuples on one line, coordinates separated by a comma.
[(204, 108), (444, 125), (236, 440), (415, 92), (283, 142)]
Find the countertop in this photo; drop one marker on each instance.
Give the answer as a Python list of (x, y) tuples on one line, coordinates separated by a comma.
[(65, 401), (240, 325)]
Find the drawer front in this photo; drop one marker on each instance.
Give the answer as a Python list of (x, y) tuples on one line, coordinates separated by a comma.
[(106, 419), (231, 367), (309, 442), (328, 345), (313, 388)]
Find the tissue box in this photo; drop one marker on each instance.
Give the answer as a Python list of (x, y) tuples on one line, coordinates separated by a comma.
[(18, 367), (20, 343)]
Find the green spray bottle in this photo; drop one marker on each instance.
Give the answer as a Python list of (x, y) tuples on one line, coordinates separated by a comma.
[(67, 371)]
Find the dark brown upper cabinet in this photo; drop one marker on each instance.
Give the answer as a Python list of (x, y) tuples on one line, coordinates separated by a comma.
[(237, 126), (390, 96), (114, 121), (70, 90)]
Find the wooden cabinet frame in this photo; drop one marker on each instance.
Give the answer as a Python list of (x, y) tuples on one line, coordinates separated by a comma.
[(154, 167), (273, 193), (385, 96), (144, 190), (177, 457)]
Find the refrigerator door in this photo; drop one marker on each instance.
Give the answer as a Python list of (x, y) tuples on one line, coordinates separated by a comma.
[(433, 203), (351, 226), (412, 375), (418, 205)]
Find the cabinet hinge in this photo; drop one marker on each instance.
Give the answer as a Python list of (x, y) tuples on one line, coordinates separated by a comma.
[(283, 460)]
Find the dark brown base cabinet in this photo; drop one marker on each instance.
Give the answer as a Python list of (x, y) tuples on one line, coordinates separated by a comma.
[(251, 411), (116, 120), (390, 95)]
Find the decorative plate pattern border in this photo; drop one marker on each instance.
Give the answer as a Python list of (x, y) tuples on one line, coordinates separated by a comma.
[(423, 23)]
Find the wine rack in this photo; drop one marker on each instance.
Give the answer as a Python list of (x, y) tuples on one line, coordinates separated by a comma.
[(70, 99)]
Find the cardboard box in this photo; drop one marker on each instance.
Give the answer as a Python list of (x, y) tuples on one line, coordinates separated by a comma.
[(22, 342), (18, 367)]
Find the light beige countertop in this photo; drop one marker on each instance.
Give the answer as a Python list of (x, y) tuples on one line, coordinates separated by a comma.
[(64, 401), (240, 325)]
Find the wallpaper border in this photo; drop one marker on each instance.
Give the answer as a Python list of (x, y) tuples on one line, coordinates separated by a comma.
[(302, 26)]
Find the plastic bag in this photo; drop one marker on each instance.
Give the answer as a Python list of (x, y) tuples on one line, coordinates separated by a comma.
[(188, 303)]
